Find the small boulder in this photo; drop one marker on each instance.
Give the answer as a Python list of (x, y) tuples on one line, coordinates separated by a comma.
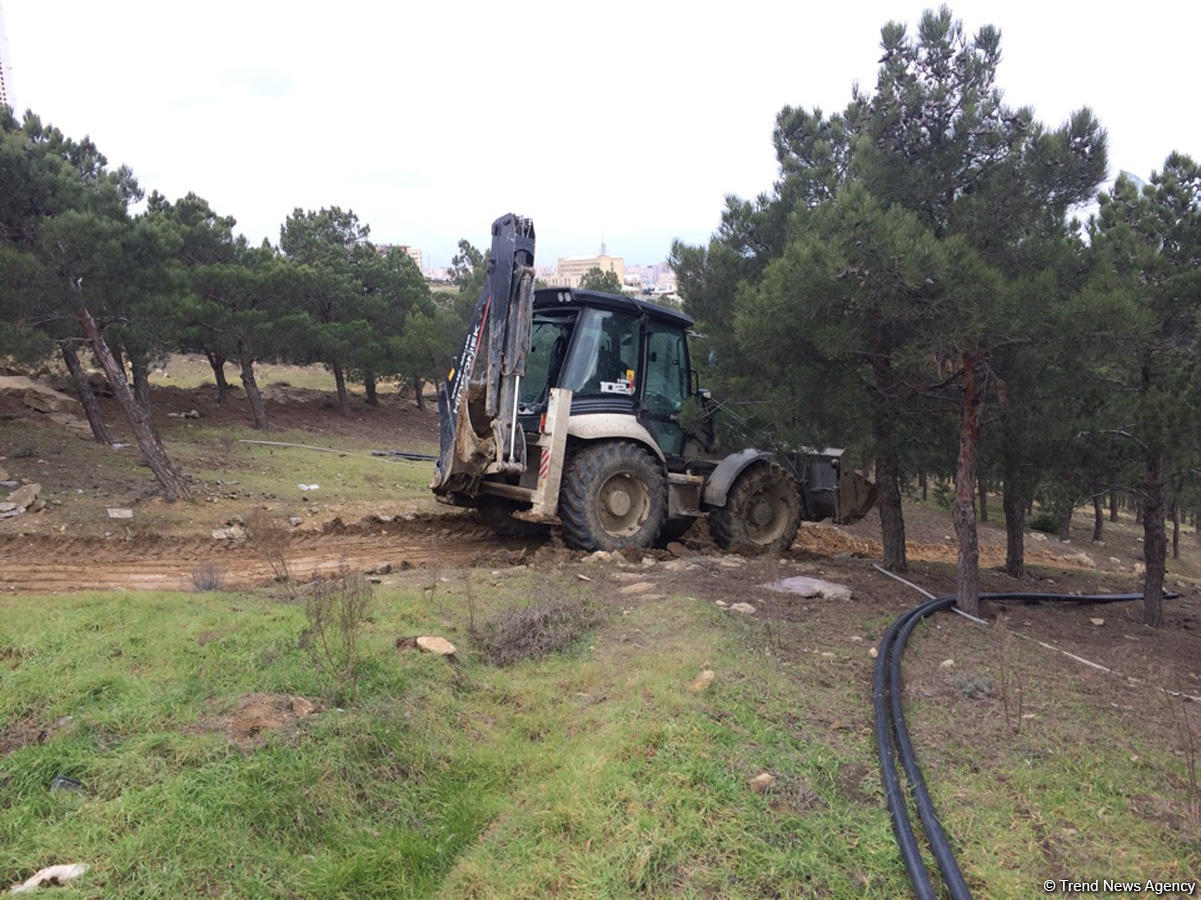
[(295, 521), (440, 646), (762, 782), (46, 400), (302, 706), (115, 512), (235, 533), (638, 587), (25, 495), (947, 664), (678, 550), (702, 681), (744, 608), (811, 587)]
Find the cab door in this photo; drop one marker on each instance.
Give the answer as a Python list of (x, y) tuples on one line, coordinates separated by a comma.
[(664, 385)]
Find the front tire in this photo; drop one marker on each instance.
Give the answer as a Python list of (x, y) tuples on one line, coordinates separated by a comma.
[(762, 512), (614, 495)]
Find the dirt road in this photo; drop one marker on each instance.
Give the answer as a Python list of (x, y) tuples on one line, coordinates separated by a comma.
[(47, 564), (42, 564)]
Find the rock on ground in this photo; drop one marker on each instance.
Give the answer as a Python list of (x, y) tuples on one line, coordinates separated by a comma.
[(744, 608), (811, 587), (25, 495), (439, 645), (702, 681)]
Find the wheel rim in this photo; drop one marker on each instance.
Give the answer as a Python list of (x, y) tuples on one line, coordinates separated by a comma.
[(624, 504), (767, 514)]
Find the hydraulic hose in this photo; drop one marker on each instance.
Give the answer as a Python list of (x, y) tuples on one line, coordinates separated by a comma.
[(892, 737)]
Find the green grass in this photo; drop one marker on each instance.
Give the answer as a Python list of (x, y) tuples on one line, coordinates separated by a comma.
[(590, 773)]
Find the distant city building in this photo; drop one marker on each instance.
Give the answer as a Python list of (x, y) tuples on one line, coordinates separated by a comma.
[(571, 270), (413, 252), (6, 68)]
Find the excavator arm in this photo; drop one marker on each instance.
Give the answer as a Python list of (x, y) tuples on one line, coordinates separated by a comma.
[(477, 407)]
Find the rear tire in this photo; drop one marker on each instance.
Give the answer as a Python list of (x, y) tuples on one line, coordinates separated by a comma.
[(762, 512), (498, 513), (614, 495)]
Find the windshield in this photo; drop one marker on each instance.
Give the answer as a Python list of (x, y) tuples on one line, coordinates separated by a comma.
[(549, 337), (604, 359)]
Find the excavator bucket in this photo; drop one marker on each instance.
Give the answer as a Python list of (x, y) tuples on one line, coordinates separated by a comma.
[(477, 406), (856, 496)]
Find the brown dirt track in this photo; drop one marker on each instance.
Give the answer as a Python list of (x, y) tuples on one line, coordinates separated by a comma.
[(44, 564)]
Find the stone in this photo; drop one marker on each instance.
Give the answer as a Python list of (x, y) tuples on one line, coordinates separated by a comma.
[(115, 512), (46, 400), (51, 876), (745, 608), (384, 519), (638, 587), (1036, 536), (762, 782), (1097, 621), (25, 495), (235, 533), (438, 645), (582, 577), (302, 706), (648, 561), (702, 681), (805, 586), (603, 556), (295, 521), (37, 505), (678, 550), (873, 652), (947, 664), (192, 414)]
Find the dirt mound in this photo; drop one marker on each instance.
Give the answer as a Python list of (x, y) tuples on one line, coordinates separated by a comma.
[(257, 715)]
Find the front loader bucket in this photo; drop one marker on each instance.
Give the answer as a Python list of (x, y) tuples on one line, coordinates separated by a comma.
[(856, 497)]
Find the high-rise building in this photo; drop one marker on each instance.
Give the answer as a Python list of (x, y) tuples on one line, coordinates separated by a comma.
[(6, 68)]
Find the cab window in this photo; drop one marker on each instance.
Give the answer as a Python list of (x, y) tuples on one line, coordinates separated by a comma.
[(604, 359)]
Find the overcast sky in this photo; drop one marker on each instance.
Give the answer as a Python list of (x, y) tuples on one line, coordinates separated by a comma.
[(623, 120)]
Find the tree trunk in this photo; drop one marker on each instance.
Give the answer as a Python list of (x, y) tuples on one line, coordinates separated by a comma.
[(967, 582), (83, 390), (1154, 540), (983, 492), (419, 389), (1175, 529), (1113, 506), (258, 409), (140, 367), (1015, 528), (139, 420), (1065, 523), (217, 362), (369, 386), (892, 520), (923, 482), (1098, 515), (343, 397)]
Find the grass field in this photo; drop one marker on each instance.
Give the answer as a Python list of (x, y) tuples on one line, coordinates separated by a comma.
[(593, 772)]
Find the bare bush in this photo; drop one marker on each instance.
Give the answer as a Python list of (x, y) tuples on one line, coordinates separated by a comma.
[(1012, 688), (548, 625), (337, 609), (208, 576), (270, 537)]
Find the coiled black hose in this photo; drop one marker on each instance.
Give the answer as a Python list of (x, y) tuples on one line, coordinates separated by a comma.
[(892, 736)]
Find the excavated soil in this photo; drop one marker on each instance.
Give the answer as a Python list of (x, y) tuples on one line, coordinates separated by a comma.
[(46, 564)]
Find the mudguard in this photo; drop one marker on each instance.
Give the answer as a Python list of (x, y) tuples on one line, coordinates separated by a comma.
[(717, 488)]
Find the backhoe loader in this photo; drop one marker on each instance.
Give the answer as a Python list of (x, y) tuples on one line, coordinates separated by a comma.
[(564, 407)]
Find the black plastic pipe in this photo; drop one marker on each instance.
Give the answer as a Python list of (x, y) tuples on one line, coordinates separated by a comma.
[(892, 735)]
